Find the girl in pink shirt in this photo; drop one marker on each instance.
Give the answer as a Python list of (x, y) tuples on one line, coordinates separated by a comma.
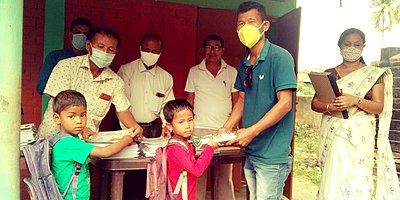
[(180, 122)]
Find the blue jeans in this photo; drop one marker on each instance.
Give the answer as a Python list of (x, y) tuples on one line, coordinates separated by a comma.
[(266, 181)]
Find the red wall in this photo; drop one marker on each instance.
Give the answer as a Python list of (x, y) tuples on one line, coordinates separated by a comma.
[(222, 23), (181, 26), (32, 59)]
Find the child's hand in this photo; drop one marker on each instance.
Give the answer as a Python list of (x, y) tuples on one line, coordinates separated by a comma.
[(127, 137), (134, 136), (212, 143), (130, 133), (137, 131), (87, 133)]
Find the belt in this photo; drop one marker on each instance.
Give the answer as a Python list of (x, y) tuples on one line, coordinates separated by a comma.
[(147, 124)]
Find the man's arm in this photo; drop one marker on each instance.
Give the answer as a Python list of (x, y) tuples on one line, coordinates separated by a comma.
[(190, 98), (235, 97), (129, 121), (273, 116), (236, 114)]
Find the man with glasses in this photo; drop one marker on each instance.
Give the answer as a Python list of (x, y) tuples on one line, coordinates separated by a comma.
[(266, 82), (80, 27), (210, 91), (148, 86)]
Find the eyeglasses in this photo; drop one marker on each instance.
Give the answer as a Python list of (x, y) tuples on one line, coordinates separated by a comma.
[(209, 48), (249, 76)]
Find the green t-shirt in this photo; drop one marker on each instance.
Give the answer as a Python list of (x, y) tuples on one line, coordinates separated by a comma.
[(67, 151), (272, 72)]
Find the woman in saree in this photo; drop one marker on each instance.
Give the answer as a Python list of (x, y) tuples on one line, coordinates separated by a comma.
[(346, 146)]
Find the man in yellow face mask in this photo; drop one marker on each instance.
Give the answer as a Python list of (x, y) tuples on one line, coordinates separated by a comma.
[(266, 82)]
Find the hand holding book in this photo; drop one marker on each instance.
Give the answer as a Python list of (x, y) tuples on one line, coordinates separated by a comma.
[(345, 101), (326, 90)]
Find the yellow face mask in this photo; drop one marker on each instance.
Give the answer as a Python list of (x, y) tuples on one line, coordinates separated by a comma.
[(249, 35)]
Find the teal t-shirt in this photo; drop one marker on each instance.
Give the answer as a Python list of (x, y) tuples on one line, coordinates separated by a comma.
[(273, 71), (67, 151)]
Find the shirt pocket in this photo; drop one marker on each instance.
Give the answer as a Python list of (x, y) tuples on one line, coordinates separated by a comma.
[(156, 103), (100, 107)]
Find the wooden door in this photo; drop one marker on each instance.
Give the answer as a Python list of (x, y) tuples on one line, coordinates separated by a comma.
[(285, 32)]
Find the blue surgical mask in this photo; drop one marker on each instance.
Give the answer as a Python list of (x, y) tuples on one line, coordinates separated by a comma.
[(101, 58), (79, 41)]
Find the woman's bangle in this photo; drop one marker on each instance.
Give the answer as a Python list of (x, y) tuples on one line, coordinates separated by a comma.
[(327, 108)]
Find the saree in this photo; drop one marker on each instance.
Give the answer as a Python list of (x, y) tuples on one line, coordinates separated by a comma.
[(346, 146)]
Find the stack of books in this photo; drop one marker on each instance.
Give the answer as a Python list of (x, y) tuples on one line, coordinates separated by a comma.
[(108, 137), (150, 145), (27, 134), (201, 142)]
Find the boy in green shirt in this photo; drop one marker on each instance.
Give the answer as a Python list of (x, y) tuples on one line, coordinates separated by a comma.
[(69, 111)]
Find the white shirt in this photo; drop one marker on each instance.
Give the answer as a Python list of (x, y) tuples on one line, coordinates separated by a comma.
[(74, 73), (147, 90), (212, 95)]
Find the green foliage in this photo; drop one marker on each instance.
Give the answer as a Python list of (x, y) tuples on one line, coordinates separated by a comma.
[(305, 89), (305, 153), (386, 14)]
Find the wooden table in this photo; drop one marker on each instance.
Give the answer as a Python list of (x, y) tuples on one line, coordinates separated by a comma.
[(117, 167)]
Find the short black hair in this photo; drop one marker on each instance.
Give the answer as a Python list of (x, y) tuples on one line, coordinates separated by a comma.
[(68, 98), (81, 21), (153, 36), (249, 5), (103, 30), (173, 106), (351, 31), (213, 37)]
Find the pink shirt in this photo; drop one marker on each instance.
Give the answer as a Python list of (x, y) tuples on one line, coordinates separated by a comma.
[(179, 158)]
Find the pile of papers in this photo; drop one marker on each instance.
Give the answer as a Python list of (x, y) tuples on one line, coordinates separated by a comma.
[(27, 134), (145, 148), (201, 142), (131, 151), (150, 145), (108, 137)]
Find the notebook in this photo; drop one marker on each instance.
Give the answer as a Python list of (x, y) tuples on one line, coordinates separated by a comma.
[(327, 90)]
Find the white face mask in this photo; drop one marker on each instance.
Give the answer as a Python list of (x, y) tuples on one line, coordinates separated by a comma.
[(149, 59), (351, 54), (79, 41), (101, 58)]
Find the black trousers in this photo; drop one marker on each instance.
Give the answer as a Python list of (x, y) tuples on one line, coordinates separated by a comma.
[(151, 129)]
